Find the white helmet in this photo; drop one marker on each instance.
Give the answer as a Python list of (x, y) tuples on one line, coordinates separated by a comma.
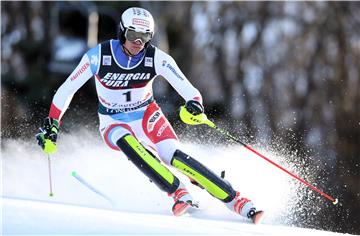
[(137, 20)]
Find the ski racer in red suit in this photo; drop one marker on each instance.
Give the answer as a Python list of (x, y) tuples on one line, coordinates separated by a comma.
[(130, 120)]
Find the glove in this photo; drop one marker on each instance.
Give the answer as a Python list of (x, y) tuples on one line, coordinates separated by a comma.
[(192, 113), (194, 107), (48, 134)]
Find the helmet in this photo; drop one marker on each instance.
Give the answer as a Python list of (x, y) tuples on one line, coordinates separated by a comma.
[(136, 23)]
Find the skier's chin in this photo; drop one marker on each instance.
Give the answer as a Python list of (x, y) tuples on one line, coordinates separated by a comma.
[(137, 47)]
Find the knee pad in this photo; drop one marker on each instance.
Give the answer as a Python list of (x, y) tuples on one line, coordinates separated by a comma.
[(214, 184), (148, 164)]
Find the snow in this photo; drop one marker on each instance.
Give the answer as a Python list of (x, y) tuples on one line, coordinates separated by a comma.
[(137, 206), (24, 216)]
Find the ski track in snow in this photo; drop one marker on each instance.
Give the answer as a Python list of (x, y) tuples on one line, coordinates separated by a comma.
[(138, 206)]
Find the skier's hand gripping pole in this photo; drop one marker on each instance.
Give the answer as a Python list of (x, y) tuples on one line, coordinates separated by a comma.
[(192, 113), (201, 118), (47, 140), (48, 134)]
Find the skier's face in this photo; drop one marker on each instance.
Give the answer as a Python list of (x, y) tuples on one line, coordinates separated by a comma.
[(134, 47)]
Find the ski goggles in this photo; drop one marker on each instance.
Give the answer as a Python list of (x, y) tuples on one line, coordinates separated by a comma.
[(132, 36)]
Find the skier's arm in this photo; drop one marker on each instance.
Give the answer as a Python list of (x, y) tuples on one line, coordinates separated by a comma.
[(66, 91), (83, 72), (166, 66)]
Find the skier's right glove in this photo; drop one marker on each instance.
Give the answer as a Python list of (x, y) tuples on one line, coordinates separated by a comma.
[(192, 113), (48, 134)]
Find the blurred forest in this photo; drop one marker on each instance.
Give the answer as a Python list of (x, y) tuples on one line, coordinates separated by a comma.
[(282, 74)]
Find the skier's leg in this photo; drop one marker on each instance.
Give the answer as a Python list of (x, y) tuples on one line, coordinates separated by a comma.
[(157, 173), (157, 128), (204, 177), (148, 164), (120, 136), (215, 185), (160, 133)]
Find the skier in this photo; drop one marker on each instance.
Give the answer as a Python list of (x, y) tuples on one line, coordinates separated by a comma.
[(131, 121)]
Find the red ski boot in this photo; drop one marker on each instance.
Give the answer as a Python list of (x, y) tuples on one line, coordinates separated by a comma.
[(256, 216), (245, 207), (183, 201)]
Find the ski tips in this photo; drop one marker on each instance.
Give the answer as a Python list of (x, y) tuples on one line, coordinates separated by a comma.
[(336, 201), (73, 173)]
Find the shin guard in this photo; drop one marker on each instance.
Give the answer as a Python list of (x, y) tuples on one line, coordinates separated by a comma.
[(215, 185), (148, 164)]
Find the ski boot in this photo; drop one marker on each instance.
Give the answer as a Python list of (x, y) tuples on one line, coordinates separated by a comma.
[(256, 216), (245, 207), (183, 201)]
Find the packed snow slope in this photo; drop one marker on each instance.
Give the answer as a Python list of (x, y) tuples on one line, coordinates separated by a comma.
[(135, 205)]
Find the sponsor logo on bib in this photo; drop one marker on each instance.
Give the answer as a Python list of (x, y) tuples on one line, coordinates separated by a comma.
[(117, 80), (106, 61), (148, 62)]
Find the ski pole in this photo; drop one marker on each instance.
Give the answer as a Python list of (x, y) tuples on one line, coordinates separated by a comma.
[(50, 179), (227, 134), (89, 186), (49, 147)]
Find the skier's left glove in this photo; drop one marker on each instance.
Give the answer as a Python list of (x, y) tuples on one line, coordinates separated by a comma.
[(194, 107), (48, 134), (192, 113)]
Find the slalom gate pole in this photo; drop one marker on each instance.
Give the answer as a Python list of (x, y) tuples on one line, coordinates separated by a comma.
[(227, 134), (90, 187), (50, 179)]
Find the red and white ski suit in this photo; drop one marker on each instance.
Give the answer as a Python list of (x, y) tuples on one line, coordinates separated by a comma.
[(125, 94)]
